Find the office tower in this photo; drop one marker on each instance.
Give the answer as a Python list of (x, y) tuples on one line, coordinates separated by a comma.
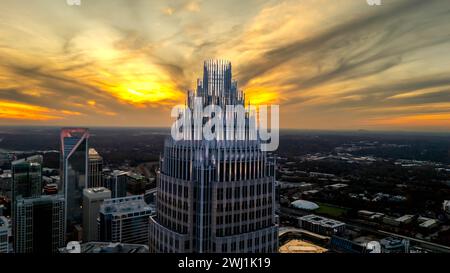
[(27, 177), (4, 230), (117, 182), (215, 195), (125, 220), (92, 199), (26, 183), (95, 169), (40, 223), (74, 172)]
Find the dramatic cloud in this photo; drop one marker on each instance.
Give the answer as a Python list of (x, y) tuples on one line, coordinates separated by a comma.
[(329, 64)]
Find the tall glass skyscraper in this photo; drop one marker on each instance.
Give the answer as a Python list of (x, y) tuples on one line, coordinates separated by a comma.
[(215, 195), (26, 183), (74, 172), (27, 177)]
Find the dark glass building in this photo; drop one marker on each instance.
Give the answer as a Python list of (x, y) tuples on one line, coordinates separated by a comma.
[(74, 172), (40, 224)]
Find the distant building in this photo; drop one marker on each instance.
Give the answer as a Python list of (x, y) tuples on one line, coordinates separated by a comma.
[(27, 177), (95, 169), (304, 205), (394, 245), (108, 247), (427, 223), (136, 183), (405, 219), (117, 182), (342, 245), (4, 232), (321, 225), (40, 224), (74, 173), (92, 200), (125, 220)]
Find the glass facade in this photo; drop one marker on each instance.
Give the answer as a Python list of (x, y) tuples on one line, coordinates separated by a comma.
[(74, 145), (40, 224)]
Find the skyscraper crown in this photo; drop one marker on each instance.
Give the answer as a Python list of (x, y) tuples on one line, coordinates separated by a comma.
[(217, 85)]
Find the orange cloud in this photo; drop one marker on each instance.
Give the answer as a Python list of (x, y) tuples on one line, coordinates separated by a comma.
[(425, 120), (23, 111)]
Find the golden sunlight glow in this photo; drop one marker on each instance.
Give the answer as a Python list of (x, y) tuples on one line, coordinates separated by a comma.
[(22, 111), (424, 120)]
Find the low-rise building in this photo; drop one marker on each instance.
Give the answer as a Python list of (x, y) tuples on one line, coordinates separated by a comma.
[(321, 225), (394, 245), (106, 247), (405, 219)]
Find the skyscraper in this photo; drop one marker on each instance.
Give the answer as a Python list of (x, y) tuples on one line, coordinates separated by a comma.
[(95, 169), (125, 220), (92, 200), (74, 172), (215, 195), (27, 177), (117, 182), (26, 183), (40, 223)]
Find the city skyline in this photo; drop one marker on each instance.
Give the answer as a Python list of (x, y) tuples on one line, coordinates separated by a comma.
[(329, 65)]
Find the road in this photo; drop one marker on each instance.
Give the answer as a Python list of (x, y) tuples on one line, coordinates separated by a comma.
[(422, 243)]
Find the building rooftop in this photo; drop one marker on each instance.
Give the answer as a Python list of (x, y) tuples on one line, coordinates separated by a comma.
[(125, 205), (305, 205), (299, 246), (323, 221), (108, 247), (93, 154)]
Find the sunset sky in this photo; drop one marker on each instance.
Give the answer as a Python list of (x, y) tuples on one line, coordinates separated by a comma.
[(329, 64)]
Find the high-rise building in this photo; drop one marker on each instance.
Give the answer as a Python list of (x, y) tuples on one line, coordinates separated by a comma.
[(215, 195), (27, 177), (117, 182), (74, 172), (125, 220), (26, 183), (4, 233), (95, 169), (92, 200), (40, 224)]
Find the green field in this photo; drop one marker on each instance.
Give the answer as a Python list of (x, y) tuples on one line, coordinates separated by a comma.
[(330, 210)]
